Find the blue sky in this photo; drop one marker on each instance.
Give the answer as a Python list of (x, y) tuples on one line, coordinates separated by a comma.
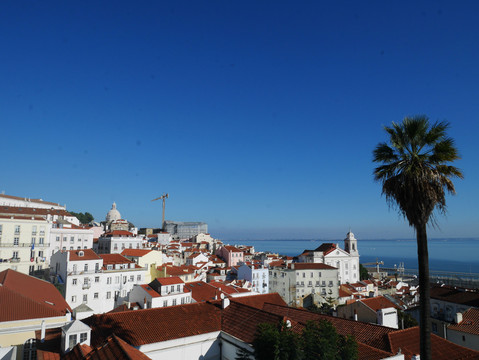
[(258, 118)]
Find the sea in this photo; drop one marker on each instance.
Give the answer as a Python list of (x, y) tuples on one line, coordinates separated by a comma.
[(451, 254)]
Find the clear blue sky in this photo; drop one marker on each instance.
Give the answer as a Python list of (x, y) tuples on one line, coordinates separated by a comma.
[(258, 118)]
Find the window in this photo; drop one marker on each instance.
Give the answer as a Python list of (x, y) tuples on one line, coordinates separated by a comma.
[(17, 229), (85, 298), (58, 238), (65, 238), (42, 230), (172, 288), (34, 230), (40, 253), (117, 279), (178, 287), (41, 241), (97, 279), (1, 228), (138, 278), (174, 302), (79, 239), (72, 341), (71, 247), (85, 281), (83, 337), (16, 241), (304, 274), (72, 239), (165, 303), (86, 267), (182, 300), (74, 298), (95, 296), (311, 274), (108, 295), (74, 281), (132, 278)]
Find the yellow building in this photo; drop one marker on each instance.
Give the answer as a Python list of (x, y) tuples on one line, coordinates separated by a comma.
[(28, 304)]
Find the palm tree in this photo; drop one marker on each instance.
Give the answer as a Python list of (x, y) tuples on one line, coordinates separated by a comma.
[(415, 177)]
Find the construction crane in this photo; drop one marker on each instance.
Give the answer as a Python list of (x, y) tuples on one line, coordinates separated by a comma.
[(162, 197), (377, 263)]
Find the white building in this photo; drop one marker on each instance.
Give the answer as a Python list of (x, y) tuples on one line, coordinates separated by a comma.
[(257, 275), (102, 282), (24, 243), (161, 292), (298, 281), (67, 236), (115, 241), (346, 261), (16, 201)]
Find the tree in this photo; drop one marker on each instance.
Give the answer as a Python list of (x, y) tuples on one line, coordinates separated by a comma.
[(415, 175), (317, 341), (363, 272), (276, 342), (84, 218)]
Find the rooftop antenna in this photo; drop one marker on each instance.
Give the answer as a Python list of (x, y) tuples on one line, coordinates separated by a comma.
[(162, 197)]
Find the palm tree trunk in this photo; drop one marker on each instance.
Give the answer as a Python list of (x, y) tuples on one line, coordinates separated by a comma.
[(424, 292)]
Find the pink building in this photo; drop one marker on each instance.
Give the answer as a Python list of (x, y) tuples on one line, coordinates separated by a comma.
[(231, 255)]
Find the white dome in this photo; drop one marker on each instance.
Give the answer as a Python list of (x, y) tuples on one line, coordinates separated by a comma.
[(113, 214)]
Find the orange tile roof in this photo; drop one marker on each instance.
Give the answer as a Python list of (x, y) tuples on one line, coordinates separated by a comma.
[(469, 323), (148, 326), (307, 266), (442, 349), (201, 291), (258, 301), (25, 297), (173, 280), (15, 210), (110, 259), (369, 334), (456, 296), (88, 254), (232, 248), (379, 302), (135, 252), (118, 233)]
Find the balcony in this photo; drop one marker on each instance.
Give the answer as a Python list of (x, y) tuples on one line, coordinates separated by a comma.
[(15, 260), (7, 245), (86, 286)]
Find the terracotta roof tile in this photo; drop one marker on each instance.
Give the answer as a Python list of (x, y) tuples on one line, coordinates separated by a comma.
[(469, 323), (135, 252), (111, 259), (25, 297), (307, 266), (379, 302), (408, 341), (88, 254), (147, 326), (258, 301), (457, 296), (369, 334), (14, 210)]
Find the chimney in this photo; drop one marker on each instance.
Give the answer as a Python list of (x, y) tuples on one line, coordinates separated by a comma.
[(458, 317), (43, 329), (225, 303)]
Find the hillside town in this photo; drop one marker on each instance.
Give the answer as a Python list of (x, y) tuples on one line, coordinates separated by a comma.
[(110, 290)]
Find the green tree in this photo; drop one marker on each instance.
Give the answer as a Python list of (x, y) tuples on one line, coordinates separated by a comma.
[(348, 348), (406, 320), (84, 218), (276, 342), (363, 272), (415, 175)]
